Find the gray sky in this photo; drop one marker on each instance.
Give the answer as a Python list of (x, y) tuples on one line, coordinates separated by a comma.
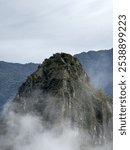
[(31, 30)]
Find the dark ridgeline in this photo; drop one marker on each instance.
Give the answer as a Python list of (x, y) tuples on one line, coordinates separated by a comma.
[(60, 91)]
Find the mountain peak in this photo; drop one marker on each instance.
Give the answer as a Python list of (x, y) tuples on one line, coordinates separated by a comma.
[(60, 90), (51, 75)]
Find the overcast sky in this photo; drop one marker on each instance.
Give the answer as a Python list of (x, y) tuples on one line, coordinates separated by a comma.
[(31, 30)]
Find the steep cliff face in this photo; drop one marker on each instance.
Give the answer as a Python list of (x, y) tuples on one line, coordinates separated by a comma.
[(60, 91)]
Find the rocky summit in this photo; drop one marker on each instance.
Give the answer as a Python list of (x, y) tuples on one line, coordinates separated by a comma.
[(60, 91)]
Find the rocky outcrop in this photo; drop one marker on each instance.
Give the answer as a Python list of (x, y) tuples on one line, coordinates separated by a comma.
[(59, 91)]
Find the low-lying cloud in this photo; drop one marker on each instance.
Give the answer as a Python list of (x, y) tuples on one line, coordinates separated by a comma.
[(27, 132)]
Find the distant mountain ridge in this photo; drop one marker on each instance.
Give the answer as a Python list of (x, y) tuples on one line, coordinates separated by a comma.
[(97, 64), (12, 75)]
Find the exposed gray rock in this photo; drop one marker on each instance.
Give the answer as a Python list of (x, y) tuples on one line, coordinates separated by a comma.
[(60, 91)]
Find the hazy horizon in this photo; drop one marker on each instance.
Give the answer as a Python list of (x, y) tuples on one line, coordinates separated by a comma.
[(48, 57)]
